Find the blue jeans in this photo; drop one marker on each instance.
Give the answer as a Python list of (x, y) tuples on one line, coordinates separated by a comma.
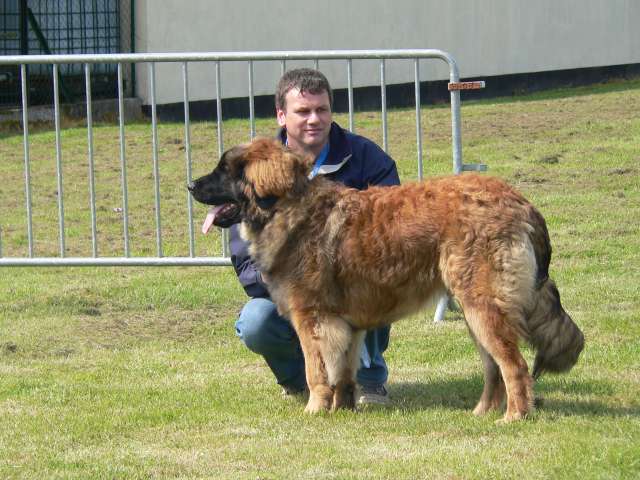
[(268, 334)]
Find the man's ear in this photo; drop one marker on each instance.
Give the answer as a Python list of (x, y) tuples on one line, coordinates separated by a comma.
[(281, 117)]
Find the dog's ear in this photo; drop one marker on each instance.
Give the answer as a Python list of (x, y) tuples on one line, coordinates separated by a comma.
[(273, 170)]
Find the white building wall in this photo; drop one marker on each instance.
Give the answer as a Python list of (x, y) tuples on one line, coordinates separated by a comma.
[(487, 37)]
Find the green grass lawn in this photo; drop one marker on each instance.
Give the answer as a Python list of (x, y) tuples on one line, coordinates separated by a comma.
[(137, 373)]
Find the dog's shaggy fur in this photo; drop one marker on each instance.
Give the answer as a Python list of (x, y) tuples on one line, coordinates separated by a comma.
[(340, 261)]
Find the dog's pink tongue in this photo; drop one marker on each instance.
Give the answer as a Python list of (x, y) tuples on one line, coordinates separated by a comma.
[(211, 216)]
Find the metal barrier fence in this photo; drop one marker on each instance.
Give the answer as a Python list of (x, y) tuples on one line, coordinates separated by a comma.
[(185, 59)]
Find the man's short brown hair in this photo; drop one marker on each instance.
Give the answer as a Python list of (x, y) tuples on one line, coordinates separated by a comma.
[(305, 80)]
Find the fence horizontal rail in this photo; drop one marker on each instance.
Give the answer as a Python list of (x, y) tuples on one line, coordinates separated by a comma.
[(233, 56), (117, 262)]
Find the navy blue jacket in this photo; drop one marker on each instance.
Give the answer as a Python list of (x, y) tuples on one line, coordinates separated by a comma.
[(352, 160)]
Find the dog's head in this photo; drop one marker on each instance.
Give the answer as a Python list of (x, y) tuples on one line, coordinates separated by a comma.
[(248, 182)]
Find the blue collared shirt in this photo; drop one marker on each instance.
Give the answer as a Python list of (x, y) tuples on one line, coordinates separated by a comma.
[(320, 160)]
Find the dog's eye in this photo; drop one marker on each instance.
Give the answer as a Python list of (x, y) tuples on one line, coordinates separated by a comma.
[(224, 167), (237, 172)]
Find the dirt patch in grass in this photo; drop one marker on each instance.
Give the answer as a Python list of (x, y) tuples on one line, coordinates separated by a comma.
[(8, 348), (113, 330), (623, 171), (550, 160)]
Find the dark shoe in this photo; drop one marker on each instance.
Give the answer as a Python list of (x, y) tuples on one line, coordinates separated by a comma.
[(294, 393), (373, 395)]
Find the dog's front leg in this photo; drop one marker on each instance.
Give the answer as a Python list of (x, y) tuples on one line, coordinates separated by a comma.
[(331, 351), (339, 346), (309, 331)]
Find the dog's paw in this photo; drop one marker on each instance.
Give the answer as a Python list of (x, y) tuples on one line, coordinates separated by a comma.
[(317, 404), (511, 417), (344, 398)]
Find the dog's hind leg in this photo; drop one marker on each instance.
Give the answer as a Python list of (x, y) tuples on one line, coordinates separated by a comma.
[(494, 390), (494, 333)]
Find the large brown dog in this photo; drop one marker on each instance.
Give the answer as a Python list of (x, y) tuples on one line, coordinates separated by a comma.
[(339, 261)]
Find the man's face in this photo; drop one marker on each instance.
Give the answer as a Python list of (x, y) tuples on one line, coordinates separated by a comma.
[(307, 119)]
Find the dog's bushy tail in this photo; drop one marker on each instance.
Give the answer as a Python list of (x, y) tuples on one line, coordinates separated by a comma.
[(552, 332)]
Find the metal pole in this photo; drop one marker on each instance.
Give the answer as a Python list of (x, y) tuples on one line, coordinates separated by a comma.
[(225, 233), (132, 37), (56, 108), (226, 56), (123, 165), (456, 139), (92, 181), (24, 27), (252, 118), (350, 93), (458, 166), (456, 145), (115, 262), (416, 65), (27, 163), (456, 135), (187, 150), (383, 100), (156, 169), (219, 110), (441, 308), (24, 38)]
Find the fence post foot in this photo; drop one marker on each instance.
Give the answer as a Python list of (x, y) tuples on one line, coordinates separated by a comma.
[(441, 308)]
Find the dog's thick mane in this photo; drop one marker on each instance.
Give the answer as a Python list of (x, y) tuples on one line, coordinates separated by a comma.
[(278, 229)]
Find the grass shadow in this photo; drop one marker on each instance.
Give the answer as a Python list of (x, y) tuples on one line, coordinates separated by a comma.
[(463, 394), (455, 394)]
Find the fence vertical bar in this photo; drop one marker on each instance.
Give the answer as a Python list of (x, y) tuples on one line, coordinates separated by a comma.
[(154, 148), (418, 118), (456, 136), (27, 161), (56, 110), (316, 64), (456, 145), (283, 66), (383, 100), (455, 132), (187, 152), (219, 110), (441, 308), (252, 114), (350, 93), (225, 233), (92, 181), (123, 165)]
